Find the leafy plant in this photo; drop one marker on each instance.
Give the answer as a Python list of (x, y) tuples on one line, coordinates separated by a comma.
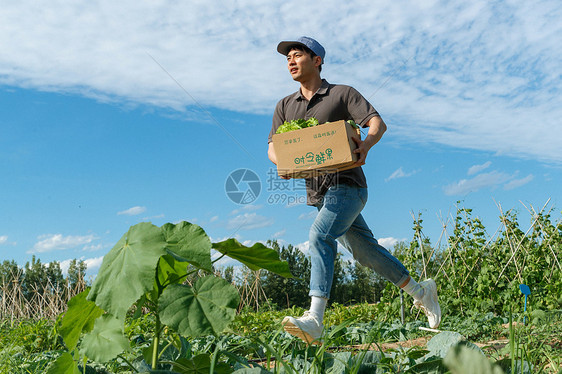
[(145, 270), (297, 124)]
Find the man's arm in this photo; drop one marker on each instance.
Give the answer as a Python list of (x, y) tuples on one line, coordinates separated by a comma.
[(271, 153), (377, 127), (273, 157)]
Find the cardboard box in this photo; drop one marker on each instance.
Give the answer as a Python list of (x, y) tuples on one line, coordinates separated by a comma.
[(316, 150)]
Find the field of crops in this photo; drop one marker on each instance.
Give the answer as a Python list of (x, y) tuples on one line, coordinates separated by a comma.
[(352, 344), (158, 306)]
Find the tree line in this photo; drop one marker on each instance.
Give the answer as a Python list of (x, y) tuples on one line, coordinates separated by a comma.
[(475, 271), (38, 290), (36, 277), (353, 283)]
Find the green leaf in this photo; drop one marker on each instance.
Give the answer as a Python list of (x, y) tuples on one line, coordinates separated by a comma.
[(337, 363), (251, 371), (188, 242), (171, 271), (431, 366), (441, 343), (200, 364), (464, 360), (297, 124), (106, 340), (128, 270), (206, 308), (79, 318), (64, 365), (256, 257)]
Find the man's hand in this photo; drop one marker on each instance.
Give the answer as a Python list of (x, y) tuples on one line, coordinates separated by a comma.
[(376, 129), (362, 149), (273, 157)]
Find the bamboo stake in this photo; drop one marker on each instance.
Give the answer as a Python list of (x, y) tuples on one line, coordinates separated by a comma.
[(510, 247), (543, 231)]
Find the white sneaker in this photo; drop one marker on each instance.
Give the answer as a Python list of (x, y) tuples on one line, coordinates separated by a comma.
[(307, 327), (429, 303)]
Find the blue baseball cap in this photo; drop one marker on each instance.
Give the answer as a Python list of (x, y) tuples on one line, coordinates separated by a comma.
[(285, 47)]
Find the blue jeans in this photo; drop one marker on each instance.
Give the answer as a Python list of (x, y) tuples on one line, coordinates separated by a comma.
[(339, 218)]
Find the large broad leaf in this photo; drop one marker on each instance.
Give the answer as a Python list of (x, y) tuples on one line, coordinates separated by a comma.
[(128, 270), (79, 317), (255, 257), (188, 242), (206, 308), (465, 360), (441, 343), (64, 365), (337, 363), (106, 340)]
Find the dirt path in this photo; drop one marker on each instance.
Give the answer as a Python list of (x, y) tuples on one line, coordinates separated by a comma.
[(419, 342), (422, 342)]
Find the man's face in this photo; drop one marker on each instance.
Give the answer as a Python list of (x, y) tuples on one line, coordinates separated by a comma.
[(301, 65)]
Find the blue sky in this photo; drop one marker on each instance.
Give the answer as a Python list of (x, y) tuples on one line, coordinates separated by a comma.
[(117, 113)]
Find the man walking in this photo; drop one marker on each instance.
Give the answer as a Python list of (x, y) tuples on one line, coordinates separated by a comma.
[(341, 196)]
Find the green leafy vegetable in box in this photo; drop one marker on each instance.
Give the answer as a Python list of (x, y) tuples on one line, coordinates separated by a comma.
[(297, 124), (301, 123)]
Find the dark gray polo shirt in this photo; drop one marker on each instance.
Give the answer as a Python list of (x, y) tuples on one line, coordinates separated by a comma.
[(330, 103)]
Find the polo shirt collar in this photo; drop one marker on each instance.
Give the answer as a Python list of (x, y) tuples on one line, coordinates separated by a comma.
[(321, 91)]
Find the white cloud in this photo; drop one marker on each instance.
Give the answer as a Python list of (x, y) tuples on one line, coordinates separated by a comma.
[(390, 242), (93, 247), (310, 215), (477, 80), (249, 221), (214, 219), (55, 242), (491, 179), (279, 234), (227, 261), (246, 208), (465, 186), (304, 248), (93, 264), (518, 182), (64, 265), (158, 216), (475, 169), (136, 210), (4, 240), (399, 173)]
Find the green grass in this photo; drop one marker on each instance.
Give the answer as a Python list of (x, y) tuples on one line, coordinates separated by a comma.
[(28, 346)]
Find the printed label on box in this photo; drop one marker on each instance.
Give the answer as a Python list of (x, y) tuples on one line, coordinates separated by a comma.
[(311, 158)]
